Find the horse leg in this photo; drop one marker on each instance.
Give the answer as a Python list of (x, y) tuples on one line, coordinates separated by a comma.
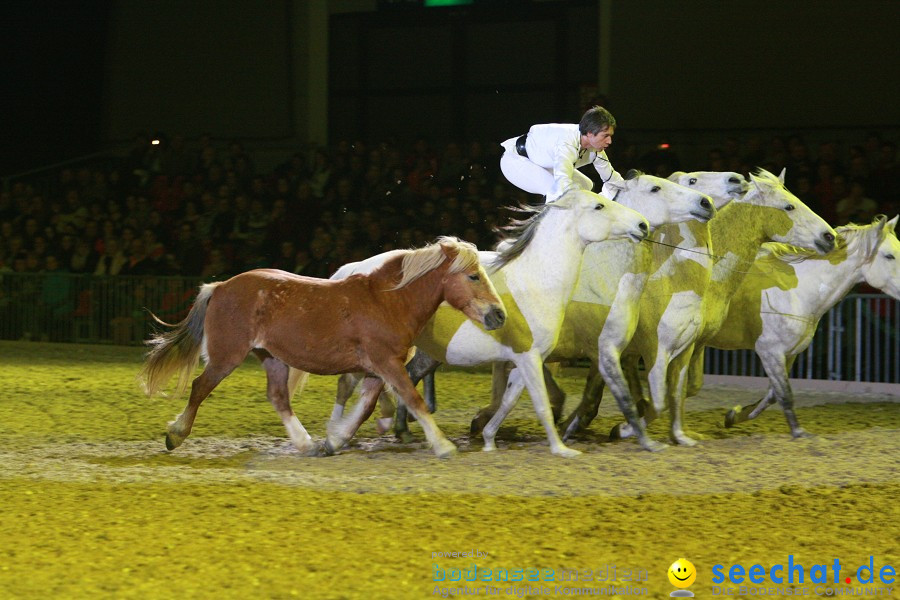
[(587, 410), (739, 414), (212, 375), (513, 389), (347, 383), (499, 377), (557, 396), (341, 430), (677, 396), (657, 380), (428, 390), (417, 368), (399, 379), (533, 374), (277, 375), (609, 363), (777, 368), (384, 423)]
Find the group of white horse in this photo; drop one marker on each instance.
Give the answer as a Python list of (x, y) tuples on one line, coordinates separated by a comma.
[(727, 262)]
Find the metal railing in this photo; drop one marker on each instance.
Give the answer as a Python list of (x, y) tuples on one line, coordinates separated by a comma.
[(857, 340), (61, 307)]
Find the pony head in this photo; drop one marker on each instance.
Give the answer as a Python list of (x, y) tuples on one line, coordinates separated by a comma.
[(598, 219), (882, 270), (722, 186), (661, 201), (797, 225), (467, 286)]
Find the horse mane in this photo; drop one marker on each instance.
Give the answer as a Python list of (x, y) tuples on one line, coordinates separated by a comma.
[(519, 232), (849, 237), (417, 263)]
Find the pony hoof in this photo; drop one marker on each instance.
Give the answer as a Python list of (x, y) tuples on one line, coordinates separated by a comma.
[(731, 417), (566, 452), (384, 425), (800, 434), (445, 450), (173, 441)]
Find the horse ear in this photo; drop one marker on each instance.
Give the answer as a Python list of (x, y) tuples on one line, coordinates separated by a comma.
[(633, 174), (781, 175), (676, 176), (892, 223), (755, 180)]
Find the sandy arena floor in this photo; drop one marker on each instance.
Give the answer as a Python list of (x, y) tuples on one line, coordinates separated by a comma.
[(94, 506)]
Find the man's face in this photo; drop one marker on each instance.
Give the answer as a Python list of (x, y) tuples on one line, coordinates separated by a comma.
[(601, 140)]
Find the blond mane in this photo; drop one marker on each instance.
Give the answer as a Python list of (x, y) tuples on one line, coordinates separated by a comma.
[(424, 260)]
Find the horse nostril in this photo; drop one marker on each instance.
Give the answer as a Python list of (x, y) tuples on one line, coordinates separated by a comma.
[(643, 227), (705, 203), (828, 237)]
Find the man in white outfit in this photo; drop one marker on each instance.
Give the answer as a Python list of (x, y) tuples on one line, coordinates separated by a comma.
[(545, 160)]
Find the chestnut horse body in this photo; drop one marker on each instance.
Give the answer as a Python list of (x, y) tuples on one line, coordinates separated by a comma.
[(365, 322)]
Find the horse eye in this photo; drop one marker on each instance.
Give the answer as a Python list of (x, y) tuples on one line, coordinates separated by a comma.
[(889, 256), (655, 189), (598, 207), (693, 180), (789, 207), (474, 277)]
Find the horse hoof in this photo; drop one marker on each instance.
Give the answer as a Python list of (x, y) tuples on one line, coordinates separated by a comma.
[(478, 423), (566, 452), (327, 448), (406, 437), (621, 432), (683, 440), (731, 416), (652, 445), (571, 428), (800, 433), (642, 407)]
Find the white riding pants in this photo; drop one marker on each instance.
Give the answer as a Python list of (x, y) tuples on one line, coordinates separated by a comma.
[(534, 178)]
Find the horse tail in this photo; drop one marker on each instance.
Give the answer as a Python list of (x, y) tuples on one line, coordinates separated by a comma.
[(177, 350)]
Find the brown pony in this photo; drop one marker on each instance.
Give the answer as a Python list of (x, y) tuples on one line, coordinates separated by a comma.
[(364, 322)]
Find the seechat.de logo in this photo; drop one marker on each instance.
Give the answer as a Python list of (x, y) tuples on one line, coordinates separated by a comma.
[(793, 572)]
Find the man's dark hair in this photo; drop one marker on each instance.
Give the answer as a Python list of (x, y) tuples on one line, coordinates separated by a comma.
[(596, 120)]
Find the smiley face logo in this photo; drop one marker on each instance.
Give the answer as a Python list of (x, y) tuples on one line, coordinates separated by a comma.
[(682, 573)]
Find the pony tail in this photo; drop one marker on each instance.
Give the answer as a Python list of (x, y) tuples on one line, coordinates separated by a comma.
[(177, 350)]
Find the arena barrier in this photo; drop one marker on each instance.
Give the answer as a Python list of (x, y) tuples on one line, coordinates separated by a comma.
[(858, 340)]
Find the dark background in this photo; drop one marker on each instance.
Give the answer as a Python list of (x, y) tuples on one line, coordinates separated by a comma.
[(78, 77)]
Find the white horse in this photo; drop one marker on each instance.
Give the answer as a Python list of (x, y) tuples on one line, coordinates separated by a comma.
[(535, 276), (687, 298), (683, 252), (602, 315), (779, 304)]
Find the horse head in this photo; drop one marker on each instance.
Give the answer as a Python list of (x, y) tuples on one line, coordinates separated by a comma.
[(882, 271), (598, 219), (467, 286), (795, 222), (662, 201), (722, 186)]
